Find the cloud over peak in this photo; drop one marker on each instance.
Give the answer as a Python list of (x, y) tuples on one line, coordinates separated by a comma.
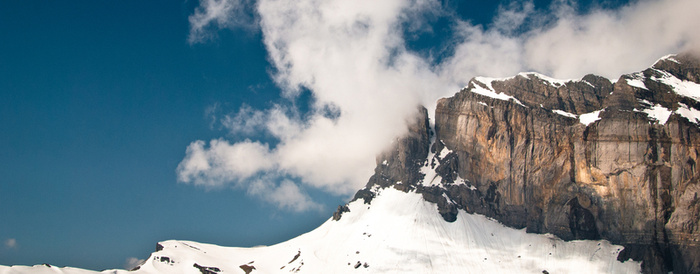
[(353, 57)]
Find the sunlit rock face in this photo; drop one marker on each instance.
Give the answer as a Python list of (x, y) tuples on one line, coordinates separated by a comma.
[(581, 159)]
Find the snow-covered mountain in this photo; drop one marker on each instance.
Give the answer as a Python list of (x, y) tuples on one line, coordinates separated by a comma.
[(397, 233), (580, 159), (524, 174)]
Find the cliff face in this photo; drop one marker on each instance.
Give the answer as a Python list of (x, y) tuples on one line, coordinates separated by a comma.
[(581, 159)]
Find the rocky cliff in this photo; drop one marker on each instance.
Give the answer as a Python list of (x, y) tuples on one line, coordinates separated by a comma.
[(581, 159)]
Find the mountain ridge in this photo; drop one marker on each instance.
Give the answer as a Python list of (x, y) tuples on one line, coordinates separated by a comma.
[(398, 233), (509, 168), (581, 159)]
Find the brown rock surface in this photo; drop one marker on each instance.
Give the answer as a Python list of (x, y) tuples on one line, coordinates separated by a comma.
[(626, 178)]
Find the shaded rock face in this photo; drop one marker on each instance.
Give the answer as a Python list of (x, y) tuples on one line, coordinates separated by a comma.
[(339, 212), (581, 159), (400, 166)]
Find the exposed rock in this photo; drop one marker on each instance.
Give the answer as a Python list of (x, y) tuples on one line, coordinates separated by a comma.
[(538, 161), (434, 194), (165, 260), (364, 194), (403, 162), (339, 212), (211, 269), (247, 268), (295, 257)]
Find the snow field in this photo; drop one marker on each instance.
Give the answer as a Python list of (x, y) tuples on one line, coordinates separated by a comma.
[(398, 233)]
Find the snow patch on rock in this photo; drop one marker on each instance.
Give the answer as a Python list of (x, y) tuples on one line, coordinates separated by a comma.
[(552, 81), (480, 82), (636, 80), (589, 118), (658, 113), (693, 115), (564, 113), (684, 88)]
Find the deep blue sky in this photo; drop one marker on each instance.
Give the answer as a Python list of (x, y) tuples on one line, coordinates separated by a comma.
[(98, 101)]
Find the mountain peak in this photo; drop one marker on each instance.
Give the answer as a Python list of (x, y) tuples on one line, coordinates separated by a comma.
[(569, 157), (526, 172)]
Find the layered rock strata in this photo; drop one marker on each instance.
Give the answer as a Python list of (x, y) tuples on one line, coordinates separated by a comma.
[(581, 159)]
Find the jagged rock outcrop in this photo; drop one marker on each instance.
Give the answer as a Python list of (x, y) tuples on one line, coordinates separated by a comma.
[(581, 159), (339, 212), (400, 166)]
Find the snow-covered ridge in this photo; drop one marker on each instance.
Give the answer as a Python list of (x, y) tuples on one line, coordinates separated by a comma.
[(684, 88), (636, 80), (552, 81), (398, 233), (657, 112), (482, 86), (670, 57), (402, 233)]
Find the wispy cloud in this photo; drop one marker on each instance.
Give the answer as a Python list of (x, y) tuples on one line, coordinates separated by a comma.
[(212, 15), (353, 57), (566, 44), (11, 243), (350, 55), (222, 162), (246, 121), (613, 42), (286, 195), (133, 262), (245, 165)]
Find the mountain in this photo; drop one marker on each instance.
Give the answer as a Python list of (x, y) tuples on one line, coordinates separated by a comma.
[(398, 233), (580, 159), (584, 159), (527, 173)]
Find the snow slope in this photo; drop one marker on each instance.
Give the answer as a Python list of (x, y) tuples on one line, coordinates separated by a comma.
[(398, 233)]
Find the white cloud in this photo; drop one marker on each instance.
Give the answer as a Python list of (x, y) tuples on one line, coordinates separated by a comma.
[(242, 164), (222, 162), (513, 16), (217, 14), (132, 262), (287, 195), (246, 121), (11, 243), (211, 114), (352, 56), (565, 44), (614, 42)]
